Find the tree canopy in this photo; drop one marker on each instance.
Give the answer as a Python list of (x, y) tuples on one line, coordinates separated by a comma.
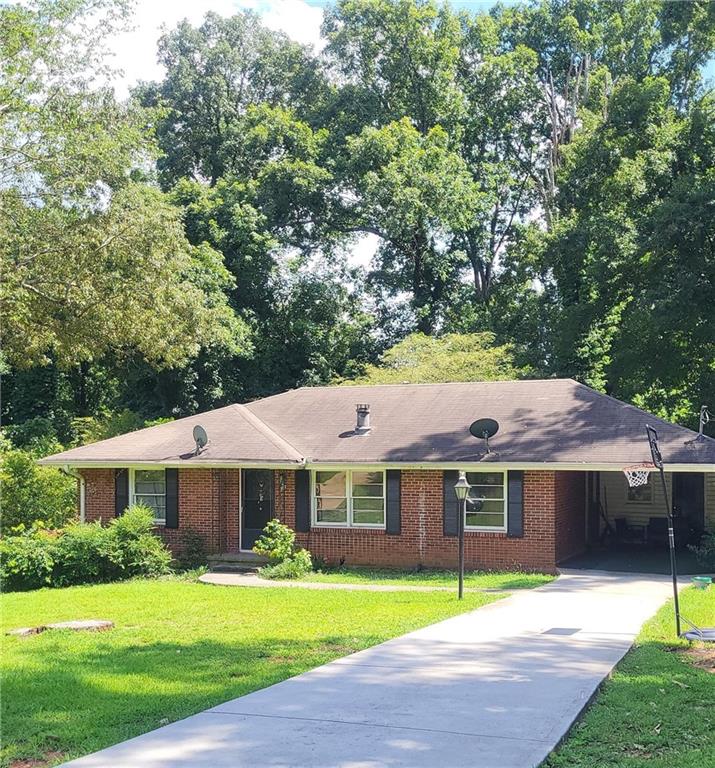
[(537, 179)]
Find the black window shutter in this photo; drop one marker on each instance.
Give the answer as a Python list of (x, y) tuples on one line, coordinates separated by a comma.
[(172, 498), (451, 505), (515, 504), (392, 498), (121, 491), (302, 500)]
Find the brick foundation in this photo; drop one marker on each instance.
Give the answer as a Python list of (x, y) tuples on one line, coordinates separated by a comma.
[(209, 500)]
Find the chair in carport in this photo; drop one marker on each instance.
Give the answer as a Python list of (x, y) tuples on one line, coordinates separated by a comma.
[(628, 534)]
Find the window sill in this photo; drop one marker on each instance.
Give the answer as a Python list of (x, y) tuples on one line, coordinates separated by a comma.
[(343, 527), (484, 530)]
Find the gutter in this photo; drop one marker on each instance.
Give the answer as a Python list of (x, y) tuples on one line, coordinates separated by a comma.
[(66, 470)]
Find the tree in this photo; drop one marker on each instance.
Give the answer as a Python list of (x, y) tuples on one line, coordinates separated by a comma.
[(421, 359), (413, 192), (93, 260), (215, 73), (633, 254)]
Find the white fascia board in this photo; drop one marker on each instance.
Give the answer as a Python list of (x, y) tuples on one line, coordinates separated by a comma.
[(310, 464), (173, 464)]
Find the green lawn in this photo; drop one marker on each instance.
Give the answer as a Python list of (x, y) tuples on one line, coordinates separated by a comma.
[(658, 709), (429, 578), (177, 648)]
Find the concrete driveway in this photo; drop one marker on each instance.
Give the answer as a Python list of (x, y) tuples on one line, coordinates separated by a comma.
[(494, 688)]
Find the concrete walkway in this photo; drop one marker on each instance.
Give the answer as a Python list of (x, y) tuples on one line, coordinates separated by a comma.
[(251, 580), (494, 688)]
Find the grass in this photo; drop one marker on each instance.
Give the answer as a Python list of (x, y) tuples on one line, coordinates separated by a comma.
[(176, 649), (657, 711), (429, 578)]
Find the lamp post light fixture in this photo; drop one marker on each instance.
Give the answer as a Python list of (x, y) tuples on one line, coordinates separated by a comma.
[(461, 489)]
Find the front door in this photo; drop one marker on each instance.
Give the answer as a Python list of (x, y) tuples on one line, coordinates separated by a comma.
[(256, 504), (689, 498)]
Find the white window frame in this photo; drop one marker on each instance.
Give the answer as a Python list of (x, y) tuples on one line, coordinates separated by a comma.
[(349, 498), (490, 528), (132, 493)]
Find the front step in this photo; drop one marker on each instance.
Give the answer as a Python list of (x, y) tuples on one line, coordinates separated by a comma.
[(236, 562)]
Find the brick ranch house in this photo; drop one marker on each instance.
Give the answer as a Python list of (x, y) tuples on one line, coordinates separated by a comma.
[(383, 494)]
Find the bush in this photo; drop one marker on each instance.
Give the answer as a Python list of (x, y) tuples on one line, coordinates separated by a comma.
[(705, 551), (292, 568), (83, 552), (277, 542), (31, 493), (192, 550), (26, 560)]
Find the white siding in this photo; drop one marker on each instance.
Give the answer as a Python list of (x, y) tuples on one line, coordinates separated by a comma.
[(614, 497)]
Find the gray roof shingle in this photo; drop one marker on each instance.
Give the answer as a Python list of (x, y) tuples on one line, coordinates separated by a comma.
[(541, 422)]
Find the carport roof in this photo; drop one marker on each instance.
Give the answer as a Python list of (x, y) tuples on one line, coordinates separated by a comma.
[(542, 422)]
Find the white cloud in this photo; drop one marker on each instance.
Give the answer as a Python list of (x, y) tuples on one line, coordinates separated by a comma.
[(296, 18), (134, 51)]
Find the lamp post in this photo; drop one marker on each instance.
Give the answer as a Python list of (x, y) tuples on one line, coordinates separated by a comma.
[(461, 489)]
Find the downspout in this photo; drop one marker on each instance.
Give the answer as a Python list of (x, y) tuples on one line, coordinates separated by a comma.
[(77, 476)]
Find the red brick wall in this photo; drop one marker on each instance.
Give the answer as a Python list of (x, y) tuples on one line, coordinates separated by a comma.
[(209, 503), (570, 514), (422, 542), (98, 494)]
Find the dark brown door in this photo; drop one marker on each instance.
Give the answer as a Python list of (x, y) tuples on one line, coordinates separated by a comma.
[(256, 504), (689, 498)]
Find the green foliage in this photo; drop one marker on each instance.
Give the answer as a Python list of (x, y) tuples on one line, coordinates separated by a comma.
[(27, 560), (421, 359), (276, 542), (83, 552), (31, 493), (294, 567), (705, 551)]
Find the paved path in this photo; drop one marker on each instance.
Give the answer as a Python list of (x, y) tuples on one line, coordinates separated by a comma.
[(494, 688), (251, 580)]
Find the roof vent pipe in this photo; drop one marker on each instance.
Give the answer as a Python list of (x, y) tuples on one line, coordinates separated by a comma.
[(363, 417)]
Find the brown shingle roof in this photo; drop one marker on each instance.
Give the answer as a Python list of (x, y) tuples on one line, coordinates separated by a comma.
[(235, 434), (542, 422)]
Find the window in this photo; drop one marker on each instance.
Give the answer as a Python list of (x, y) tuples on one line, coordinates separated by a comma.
[(491, 488), (349, 498), (149, 489), (642, 493)]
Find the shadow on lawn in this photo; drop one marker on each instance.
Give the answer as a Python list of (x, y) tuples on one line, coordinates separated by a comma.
[(70, 702)]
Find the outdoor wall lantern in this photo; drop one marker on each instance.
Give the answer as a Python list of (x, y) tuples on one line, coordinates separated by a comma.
[(461, 489)]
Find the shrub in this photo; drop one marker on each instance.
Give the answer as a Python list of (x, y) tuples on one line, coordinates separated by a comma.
[(141, 552), (27, 560), (83, 552), (705, 551), (31, 493), (277, 542), (192, 550), (292, 568), (86, 552)]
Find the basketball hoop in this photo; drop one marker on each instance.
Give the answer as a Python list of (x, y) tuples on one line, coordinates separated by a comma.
[(637, 474)]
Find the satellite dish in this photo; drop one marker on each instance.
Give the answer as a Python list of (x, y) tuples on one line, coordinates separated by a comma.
[(200, 438), (484, 428)]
